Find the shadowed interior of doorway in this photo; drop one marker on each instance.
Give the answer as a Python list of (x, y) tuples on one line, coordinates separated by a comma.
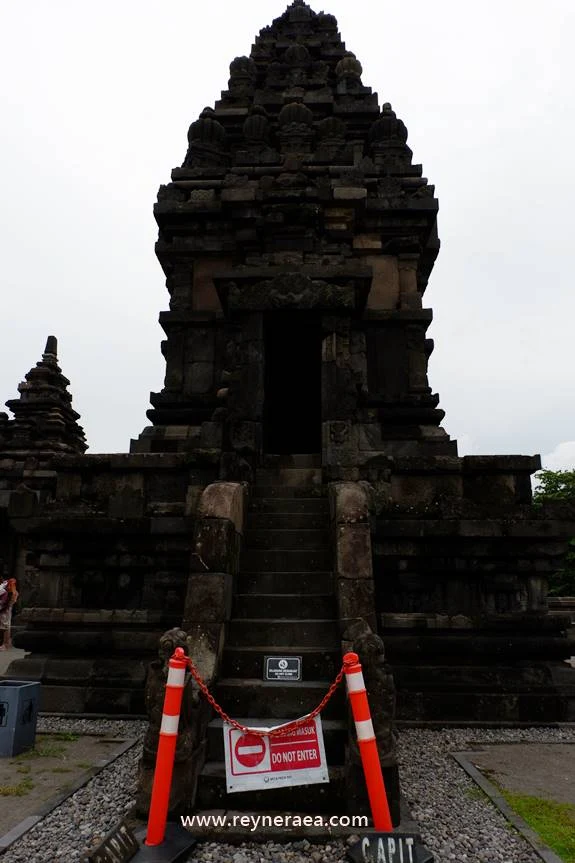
[(292, 414)]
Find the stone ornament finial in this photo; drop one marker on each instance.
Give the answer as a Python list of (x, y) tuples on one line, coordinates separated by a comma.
[(207, 142), (349, 67), (295, 113), (297, 55), (208, 132), (388, 127), (243, 67), (331, 129), (256, 127), (327, 22), (168, 642), (299, 12), (51, 349)]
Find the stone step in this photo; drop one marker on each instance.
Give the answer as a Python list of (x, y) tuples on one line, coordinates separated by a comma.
[(288, 491), (284, 605), (279, 505), (335, 735), (108, 671), (283, 633), (439, 648), (62, 639), (511, 707), (317, 664), (286, 538), (288, 521), (259, 699), (285, 582), (126, 700), (275, 460), (285, 560), (325, 797), (530, 679), (290, 477)]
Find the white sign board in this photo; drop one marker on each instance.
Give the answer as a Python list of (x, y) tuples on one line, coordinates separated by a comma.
[(295, 758)]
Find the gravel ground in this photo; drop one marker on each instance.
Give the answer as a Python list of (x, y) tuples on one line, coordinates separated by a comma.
[(456, 822), (66, 833)]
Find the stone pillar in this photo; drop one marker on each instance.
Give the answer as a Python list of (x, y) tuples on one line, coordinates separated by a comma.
[(179, 282), (343, 376), (194, 718), (417, 359), (349, 509), (245, 393), (214, 563), (380, 688), (409, 295)]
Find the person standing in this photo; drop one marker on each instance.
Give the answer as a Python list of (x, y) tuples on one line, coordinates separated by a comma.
[(8, 597)]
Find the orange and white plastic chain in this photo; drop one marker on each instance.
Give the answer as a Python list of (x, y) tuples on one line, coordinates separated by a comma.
[(263, 732)]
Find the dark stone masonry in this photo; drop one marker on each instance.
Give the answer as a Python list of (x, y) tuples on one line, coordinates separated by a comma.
[(295, 490)]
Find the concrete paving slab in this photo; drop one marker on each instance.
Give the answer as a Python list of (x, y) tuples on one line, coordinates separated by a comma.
[(545, 770), (464, 759), (8, 656), (35, 781)]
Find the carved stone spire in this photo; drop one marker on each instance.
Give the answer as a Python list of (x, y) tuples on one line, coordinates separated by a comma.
[(296, 169), (44, 420), (285, 99)]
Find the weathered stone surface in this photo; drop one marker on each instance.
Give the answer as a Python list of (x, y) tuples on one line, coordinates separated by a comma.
[(127, 503), (194, 717), (224, 500), (23, 502), (209, 598), (380, 687), (216, 545), (356, 598), (349, 503), (297, 210), (353, 551)]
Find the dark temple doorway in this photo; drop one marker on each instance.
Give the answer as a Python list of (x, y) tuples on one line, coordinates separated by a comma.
[(292, 410)]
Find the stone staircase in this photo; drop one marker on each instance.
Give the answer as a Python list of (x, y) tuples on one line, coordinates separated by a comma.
[(284, 605)]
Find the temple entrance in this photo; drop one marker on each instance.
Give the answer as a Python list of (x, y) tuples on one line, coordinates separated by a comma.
[(292, 410)]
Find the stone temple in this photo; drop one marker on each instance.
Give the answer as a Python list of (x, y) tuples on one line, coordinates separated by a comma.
[(296, 488)]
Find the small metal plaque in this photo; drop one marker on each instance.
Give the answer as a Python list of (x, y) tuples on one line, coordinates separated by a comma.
[(286, 669), (390, 848), (119, 846)]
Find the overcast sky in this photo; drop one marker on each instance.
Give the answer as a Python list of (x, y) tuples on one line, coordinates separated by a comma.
[(96, 100)]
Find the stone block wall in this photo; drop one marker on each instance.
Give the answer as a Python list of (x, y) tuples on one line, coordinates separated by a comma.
[(102, 547), (460, 564)]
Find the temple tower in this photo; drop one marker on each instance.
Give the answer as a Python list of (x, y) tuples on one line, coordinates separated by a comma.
[(297, 240)]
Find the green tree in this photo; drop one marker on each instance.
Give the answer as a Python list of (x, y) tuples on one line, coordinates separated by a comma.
[(554, 485), (558, 485)]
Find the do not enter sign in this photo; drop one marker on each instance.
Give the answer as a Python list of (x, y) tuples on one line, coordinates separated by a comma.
[(250, 750), (294, 758)]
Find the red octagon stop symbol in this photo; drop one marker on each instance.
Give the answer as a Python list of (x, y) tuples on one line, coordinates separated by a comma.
[(250, 750)]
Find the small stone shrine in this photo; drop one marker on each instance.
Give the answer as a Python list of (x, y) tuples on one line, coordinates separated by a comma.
[(295, 491)]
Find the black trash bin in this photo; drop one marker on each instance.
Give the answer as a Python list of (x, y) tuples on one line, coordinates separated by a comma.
[(19, 701)]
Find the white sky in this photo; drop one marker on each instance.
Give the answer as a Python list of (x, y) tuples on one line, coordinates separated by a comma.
[(95, 102)]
